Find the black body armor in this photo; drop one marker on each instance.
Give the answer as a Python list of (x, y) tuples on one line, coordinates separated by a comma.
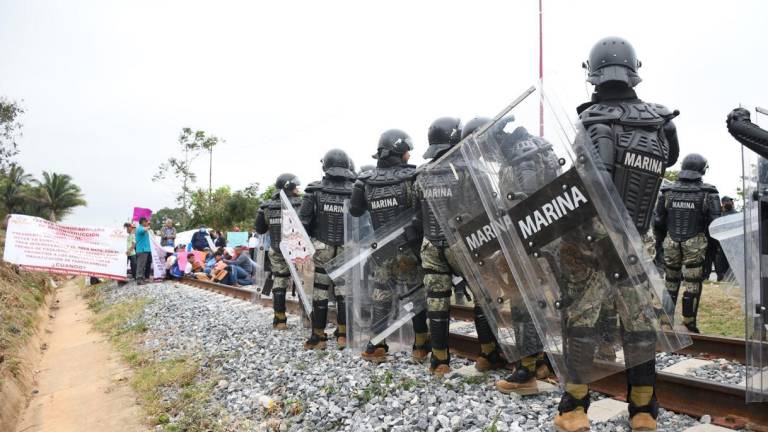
[(636, 142), (274, 214), (322, 210), (440, 188), (686, 209), (387, 191), (529, 163)]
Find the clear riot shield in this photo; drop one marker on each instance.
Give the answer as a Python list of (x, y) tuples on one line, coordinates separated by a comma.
[(385, 284), (756, 281), (449, 189), (358, 320), (298, 251), (260, 274), (573, 253)]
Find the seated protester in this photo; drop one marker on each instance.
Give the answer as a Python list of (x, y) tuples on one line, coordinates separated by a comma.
[(200, 239), (240, 269), (195, 268), (210, 260), (219, 271)]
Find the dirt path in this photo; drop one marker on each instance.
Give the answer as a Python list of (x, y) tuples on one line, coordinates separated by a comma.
[(82, 386)]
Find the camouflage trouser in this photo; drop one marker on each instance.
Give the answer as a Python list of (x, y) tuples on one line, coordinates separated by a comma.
[(439, 266), (281, 275), (590, 300), (323, 283), (280, 271), (393, 269), (689, 253)]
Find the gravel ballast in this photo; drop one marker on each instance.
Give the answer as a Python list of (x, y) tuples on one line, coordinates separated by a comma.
[(267, 381)]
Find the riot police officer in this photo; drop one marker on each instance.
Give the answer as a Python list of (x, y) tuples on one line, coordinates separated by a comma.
[(269, 220), (636, 141), (322, 214), (385, 192), (747, 133), (683, 213), (529, 163), (721, 261), (438, 261)]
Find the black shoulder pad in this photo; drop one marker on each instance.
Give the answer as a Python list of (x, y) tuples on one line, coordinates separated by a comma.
[(709, 188), (364, 176), (665, 187), (314, 186), (600, 113)]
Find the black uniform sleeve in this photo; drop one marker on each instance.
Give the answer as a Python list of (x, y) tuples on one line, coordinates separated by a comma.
[(357, 203), (261, 222), (714, 211), (660, 218), (747, 133), (670, 131), (307, 213)]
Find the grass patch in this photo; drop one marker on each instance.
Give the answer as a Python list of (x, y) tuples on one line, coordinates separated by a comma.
[(720, 311), (492, 427), (173, 392), (382, 385), (476, 379), (21, 296)]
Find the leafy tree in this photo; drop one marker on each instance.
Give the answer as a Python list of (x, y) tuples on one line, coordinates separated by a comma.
[(224, 209), (10, 130), (56, 196), (671, 174), (177, 215), (15, 188), (192, 143)]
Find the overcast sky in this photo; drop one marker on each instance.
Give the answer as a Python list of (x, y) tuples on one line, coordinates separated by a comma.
[(108, 85)]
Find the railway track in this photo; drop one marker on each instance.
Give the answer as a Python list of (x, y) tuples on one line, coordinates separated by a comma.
[(725, 403)]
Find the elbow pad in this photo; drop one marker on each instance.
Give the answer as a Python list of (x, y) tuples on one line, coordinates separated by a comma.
[(670, 132)]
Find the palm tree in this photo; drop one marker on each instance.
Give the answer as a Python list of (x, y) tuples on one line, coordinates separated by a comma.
[(57, 196), (14, 185)]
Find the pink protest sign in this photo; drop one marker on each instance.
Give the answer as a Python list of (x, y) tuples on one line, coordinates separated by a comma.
[(181, 259), (139, 212)]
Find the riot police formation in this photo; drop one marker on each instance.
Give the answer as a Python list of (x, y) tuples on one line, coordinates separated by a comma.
[(322, 214), (635, 141), (683, 213), (269, 220), (384, 193)]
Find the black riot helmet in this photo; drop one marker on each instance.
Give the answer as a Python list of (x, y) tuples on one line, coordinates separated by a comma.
[(694, 167), (393, 142), (443, 134), (473, 125), (612, 59), (287, 182), (336, 163)]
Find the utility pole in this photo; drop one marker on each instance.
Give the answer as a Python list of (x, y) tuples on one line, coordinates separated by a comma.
[(541, 69)]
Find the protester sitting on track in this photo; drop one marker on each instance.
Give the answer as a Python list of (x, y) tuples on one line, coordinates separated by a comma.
[(143, 251), (130, 250), (240, 269), (167, 234), (210, 260), (219, 241), (219, 271), (199, 239)]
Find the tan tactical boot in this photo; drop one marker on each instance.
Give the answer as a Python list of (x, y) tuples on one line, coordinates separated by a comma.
[(314, 343), (522, 381), (280, 326), (643, 422), (341, 342), (491, 361), (572, 421), (420, 355), (441, 370), (375, 354)]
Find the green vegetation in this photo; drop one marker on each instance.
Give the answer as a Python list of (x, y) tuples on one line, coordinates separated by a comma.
[(187, 407), (720, 311), (21, 296)]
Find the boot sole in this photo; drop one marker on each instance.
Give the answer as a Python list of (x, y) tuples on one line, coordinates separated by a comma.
[(375, 360), (317, 347), (559, 429), (524, 391)]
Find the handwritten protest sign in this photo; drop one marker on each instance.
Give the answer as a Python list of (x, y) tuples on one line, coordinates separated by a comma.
[(235, 238), (139, 212), (158, 258), (40, 245)]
